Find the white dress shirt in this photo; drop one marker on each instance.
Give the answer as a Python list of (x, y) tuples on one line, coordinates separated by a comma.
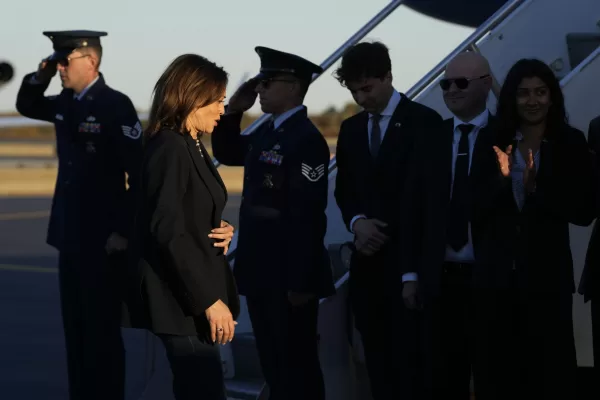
[(465, 255), (386, 116)]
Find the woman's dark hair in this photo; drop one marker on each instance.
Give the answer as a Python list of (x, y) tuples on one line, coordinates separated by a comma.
[(189, 82), (364, 60), (507, 117)]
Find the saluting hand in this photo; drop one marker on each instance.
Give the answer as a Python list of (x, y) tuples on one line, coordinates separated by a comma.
[(504, 160), (224, 233), (529, 173), (46, 70), (243, 98)]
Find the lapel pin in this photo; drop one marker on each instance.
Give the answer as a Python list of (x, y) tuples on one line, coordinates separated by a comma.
[(397, 124)]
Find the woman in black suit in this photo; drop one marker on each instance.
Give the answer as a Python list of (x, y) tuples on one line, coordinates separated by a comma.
[(188, 295), (543, 181)]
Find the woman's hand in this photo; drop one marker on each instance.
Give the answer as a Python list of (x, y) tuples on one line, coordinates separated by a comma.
[(222, 325), (504, 160), (529, 173), (224, 233)]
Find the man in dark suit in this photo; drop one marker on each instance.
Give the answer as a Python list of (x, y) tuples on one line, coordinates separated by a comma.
[(281, 264), (373, 152), (441, 240), (98, 141), (589, 285)]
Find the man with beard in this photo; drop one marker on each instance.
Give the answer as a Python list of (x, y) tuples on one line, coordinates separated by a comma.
[(281, 265), (98, 141)]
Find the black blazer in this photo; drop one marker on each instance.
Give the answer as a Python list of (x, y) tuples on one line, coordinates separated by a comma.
[(536, 239), (375, 188), (179, 272), (424, 240)]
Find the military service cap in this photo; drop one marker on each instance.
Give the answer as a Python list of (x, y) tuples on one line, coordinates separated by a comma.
[(64, 42), (277, 62)]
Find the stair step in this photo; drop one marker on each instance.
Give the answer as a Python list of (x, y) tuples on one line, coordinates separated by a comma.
[(245, 358), (243, 389)]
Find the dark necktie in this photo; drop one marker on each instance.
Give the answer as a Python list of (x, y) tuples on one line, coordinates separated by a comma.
[(458, 219), (375, 140)]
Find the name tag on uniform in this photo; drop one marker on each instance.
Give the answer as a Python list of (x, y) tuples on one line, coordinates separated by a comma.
[(271, 157)]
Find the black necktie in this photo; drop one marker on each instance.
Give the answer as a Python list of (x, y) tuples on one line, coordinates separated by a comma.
[(458, 219), (375, 140)]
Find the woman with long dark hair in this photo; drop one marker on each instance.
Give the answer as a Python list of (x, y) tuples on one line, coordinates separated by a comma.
[(186, 289), (542, 182)]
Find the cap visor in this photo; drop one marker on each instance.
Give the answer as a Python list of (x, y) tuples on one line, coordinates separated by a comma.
[(263, 75), (59, 55)]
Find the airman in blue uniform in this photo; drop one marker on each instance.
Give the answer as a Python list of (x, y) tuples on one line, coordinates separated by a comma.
[(98, 141), (281, 264)]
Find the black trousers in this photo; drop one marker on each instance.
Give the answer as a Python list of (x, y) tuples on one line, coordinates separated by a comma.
[(467, 333), (452, 331), (287, 343), (196, 368), (388, 333), (91, 312)]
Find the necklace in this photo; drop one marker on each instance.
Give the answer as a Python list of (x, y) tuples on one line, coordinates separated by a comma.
[(198, 146)]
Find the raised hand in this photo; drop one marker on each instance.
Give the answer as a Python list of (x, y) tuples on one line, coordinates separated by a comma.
[(530, 172), (46, 70), (504, 160), (243, 98)]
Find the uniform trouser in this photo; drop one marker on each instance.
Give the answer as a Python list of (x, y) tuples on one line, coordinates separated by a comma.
[(91, 312), (287, 343)]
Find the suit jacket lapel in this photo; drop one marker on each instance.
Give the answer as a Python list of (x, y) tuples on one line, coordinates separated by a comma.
[(362, 130), (447, 145), (483, 145), (394, 128), (214, 187), (212, 169)]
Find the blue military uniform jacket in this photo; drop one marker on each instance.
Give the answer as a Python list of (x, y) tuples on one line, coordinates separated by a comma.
[(98, 141), (282, 222)]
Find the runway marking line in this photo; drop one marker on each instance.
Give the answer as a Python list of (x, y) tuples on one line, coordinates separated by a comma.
[(28, 268), (15, 216)]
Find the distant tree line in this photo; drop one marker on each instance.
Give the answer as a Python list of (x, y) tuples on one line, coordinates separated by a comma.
[(327, 121)]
